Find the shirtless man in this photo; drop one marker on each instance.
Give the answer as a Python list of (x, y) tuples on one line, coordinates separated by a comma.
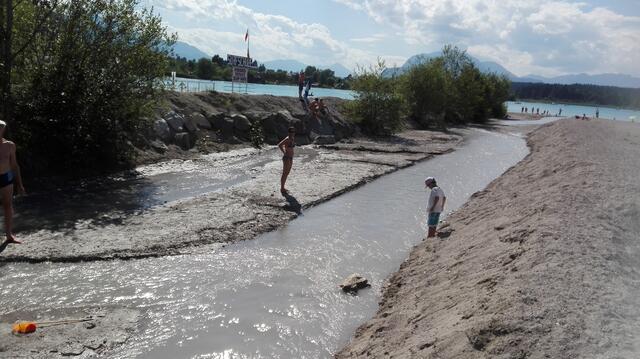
[(9, 173)]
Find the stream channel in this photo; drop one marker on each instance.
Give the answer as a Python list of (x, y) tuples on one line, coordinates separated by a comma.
[(276, 296)]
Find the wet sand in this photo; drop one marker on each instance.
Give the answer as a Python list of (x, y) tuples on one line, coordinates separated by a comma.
[(543, 263), (237, 212)]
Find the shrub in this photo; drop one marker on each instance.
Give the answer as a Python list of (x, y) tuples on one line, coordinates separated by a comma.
[(377, 106)]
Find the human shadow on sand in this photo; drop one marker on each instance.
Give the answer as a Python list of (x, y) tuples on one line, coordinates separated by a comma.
[(292, 203)]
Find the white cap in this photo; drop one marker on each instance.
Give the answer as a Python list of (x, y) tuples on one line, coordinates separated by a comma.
[(429, 179), (3, 124)]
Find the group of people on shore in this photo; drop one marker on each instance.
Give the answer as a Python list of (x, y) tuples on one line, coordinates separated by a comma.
[(435, 203), (536, 111), (314, 107)]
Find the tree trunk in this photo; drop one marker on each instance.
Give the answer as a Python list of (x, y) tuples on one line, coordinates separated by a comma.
[(6, 100)]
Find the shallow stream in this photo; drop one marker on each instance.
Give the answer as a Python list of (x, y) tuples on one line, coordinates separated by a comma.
[(276, 296)]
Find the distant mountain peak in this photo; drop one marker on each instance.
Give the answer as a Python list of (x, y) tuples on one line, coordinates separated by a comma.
[(190, 52)]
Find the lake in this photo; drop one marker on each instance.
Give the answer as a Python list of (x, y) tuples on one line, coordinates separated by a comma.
[(192, 85)]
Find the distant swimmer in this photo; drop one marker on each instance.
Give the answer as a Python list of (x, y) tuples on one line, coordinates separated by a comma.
[(435, 205), (286, 146), (10, 174), (597, 113), (560, 112)]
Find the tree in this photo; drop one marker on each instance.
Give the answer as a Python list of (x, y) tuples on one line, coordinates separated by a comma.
[(32, 17), (83, 102), (377, 104), (205, 69)]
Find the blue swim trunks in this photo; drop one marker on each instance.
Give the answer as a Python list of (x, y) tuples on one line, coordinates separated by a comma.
[(433, 220), (6, 179)]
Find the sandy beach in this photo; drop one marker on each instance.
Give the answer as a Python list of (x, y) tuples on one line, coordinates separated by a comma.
[(541, 264)]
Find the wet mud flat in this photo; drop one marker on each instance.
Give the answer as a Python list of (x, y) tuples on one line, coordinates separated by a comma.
[(543, 263), (240, 200)]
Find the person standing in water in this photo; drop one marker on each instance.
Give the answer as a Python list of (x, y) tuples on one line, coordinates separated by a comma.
[(9, 173), (435, 205), (286, 146)]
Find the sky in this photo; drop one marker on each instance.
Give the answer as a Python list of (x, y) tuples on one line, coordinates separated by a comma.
[(541, 37)]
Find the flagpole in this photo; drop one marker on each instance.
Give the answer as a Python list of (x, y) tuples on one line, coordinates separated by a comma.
[(248, 41)]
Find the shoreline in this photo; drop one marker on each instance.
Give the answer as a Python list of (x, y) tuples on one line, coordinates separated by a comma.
[(239, 212), (540, 264)]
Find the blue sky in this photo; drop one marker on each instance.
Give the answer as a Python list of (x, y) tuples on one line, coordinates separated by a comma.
[(542, 37)]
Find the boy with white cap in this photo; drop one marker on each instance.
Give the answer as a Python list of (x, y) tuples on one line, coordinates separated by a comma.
[(435, 205)]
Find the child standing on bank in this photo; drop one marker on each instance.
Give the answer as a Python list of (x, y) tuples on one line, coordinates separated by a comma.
[(435, 205)]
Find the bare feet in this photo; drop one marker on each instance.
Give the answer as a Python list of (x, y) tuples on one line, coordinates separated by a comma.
[(12, 239)]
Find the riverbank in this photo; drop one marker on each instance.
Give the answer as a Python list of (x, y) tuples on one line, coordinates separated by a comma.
[(76, 225), (542, 263)]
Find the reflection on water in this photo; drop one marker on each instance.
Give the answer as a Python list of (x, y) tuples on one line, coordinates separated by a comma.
[(276, 296)]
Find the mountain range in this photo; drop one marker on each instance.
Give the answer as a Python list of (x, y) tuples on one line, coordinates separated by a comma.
[(618, 80), (191, 52)]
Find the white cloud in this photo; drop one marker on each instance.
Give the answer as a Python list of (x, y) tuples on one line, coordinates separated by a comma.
[(272, 36), (543, 36)]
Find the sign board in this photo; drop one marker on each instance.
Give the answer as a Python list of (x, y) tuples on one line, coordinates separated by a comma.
[(240, 61), (239, 74)]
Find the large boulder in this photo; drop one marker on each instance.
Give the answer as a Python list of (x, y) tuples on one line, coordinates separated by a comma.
[(175, 121), (183, 140), (197, 121), (161, 130), (224, 125), (213, 116), (241, 123), (276, 124), (353, 283)]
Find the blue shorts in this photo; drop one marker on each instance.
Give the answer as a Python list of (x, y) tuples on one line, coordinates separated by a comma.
[(6, 179), (433, 220)]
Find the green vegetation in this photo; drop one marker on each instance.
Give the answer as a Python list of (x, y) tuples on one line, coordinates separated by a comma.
[(445, 90), (85, 78), (377, 106), (217, 69), (579, 94)]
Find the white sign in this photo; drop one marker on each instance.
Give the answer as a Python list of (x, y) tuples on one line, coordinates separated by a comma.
[(240, 61), (239, 74)]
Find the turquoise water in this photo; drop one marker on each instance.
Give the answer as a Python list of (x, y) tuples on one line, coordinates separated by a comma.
[(576, 110), (191, 85)]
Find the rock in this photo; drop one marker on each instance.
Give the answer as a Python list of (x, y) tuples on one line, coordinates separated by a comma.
[(213, 116), (324, 140), (183, 140), (276, 124), (162, 131), (197, 121), (353, 283), (175, 121), (158, 146), (225, 125), (241, 123)]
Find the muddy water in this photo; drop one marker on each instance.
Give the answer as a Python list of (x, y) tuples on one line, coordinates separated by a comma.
[(276, 296)]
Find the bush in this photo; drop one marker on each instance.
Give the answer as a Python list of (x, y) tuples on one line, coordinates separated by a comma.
[(92, 79), (377, 106), (449, 90)]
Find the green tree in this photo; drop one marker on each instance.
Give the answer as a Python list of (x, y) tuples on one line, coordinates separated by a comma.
[(83, 103), (377, 105), (205, 69)]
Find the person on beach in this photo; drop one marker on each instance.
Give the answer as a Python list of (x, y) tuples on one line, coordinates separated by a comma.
[(435, 205), (322, 107), (300, 83), (315, 107), (9, 173), (286, 146)]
